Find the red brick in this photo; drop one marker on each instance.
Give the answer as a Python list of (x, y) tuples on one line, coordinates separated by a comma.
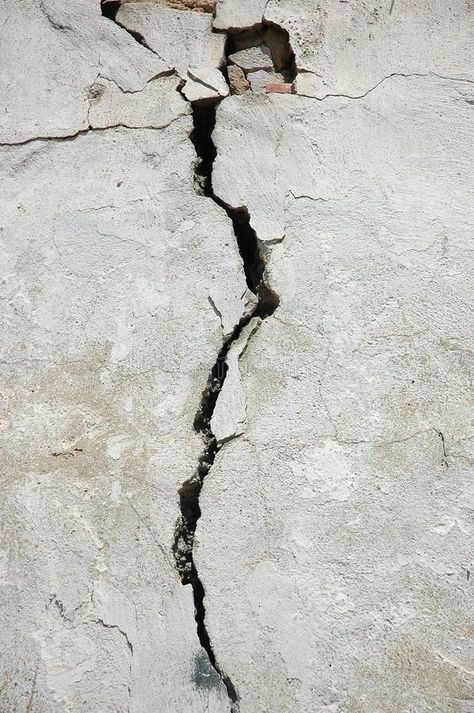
[(279, 88)]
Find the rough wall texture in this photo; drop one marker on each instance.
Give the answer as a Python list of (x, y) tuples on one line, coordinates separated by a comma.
[(237, 437), (350, 489)]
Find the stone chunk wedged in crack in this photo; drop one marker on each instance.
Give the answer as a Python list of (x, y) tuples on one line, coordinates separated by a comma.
[(253, 52), (204, 83), (238, 82), (260, 80), (228, 418), (253, 59)]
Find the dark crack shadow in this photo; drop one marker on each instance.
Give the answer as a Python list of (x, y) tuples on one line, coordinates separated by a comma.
[(109, 8), (254, 263), (253, 259)]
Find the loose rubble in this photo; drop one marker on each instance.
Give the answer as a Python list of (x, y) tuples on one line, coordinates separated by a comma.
[(184, 41), (260, 81), (237, 79), (264, 57), (253, 59)]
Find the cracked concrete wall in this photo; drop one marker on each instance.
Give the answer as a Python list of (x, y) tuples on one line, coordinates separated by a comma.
[(51, 54), (105, 352), (349, 46), (108, 261), (350, 488), (333, 543), (348, 587)]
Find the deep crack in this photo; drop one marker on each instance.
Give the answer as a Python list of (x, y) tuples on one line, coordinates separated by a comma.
[(254, 263), (110, 8), (253, 258)]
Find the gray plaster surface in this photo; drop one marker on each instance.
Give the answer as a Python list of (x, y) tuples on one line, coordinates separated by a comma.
[(214, 501)]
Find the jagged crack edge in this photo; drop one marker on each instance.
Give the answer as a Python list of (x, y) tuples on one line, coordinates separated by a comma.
[(190, 490), (254, 263)]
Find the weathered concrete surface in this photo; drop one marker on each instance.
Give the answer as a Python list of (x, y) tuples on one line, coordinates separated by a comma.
[(51, 54), (238, 14), (184, 40), (335, 537), (112, 269), (349, 46), (155, 107), (108, 262)]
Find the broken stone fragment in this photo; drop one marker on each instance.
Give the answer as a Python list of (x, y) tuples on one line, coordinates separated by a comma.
[(204, 83), (181, 39), (235, 14), (212, 78), (230, 313), (261, 79), (196, 92), (253, 58), (228, 420), (247, 305), (279, 88), (237, 80)]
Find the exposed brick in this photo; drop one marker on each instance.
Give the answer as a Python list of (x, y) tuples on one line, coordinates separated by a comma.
[(279, 88)]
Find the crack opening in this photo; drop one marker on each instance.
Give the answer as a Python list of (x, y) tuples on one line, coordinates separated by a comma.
[(268, 35), (254, 263), (110, 8), (204, 121), (253, 254)]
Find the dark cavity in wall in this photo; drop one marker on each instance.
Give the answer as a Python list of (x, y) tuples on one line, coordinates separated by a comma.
[(204, 121), (109, 8), (275, 38)]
